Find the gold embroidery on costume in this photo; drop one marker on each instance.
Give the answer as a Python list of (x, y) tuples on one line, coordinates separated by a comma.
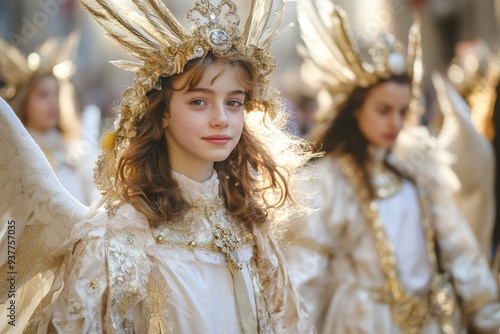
[(156, 307), (385, 182), (225, 239), (409, 312), (126, 285), (260, 301)]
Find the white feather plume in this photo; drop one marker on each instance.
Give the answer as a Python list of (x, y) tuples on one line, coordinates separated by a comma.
[(263, 21)]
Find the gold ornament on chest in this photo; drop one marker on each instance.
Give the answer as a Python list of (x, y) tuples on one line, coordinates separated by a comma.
[(384, 181), (226, 243), (224, 240)]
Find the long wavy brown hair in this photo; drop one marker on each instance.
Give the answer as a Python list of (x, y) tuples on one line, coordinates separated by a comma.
[(343, 135), (144, 176)]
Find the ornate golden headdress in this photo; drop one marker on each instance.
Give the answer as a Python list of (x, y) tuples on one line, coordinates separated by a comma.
[(53, 56), (158, 40), (331, 49)]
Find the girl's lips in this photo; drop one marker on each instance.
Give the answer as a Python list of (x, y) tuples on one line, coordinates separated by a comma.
[(218, 139)]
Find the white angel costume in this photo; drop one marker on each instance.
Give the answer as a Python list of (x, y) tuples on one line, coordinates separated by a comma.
[(125, 277), (112, 272), (371, 267), (400, 260), (119, 275)]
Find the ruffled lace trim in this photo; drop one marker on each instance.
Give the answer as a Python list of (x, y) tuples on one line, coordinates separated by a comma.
[(197, 193)]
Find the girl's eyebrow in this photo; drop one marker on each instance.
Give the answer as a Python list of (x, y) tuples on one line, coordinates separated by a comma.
[(382, 104), (211, 92)]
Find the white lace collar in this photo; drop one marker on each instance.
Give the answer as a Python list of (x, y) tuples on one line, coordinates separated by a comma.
[(198, 193)]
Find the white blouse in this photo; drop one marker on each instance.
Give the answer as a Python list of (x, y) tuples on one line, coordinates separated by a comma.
[(401, 217), (200, 281)]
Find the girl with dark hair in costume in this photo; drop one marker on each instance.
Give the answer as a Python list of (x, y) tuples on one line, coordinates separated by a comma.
[(385, 250)]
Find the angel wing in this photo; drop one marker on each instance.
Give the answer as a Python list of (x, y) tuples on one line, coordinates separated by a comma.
[(474, 162), (37, 212)]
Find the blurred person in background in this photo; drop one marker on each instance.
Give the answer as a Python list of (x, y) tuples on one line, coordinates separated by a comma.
[(38, 89), (386, 250)]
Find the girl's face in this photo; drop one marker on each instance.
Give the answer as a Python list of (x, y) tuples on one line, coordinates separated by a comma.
[(382, 114), (42, 106), (205, 122)]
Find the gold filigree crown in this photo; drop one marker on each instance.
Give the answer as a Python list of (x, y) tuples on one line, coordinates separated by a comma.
[(162, 46), (332, 52), (220, 37)]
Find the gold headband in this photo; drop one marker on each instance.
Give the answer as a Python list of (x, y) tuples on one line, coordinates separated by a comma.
[(158, 40), (331, 49)]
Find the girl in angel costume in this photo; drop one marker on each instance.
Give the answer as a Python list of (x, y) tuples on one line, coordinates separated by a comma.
[(189, 188), (39, 91), (386, 250)]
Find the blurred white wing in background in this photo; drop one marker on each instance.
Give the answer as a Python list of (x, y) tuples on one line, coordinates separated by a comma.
[(474, 162), (37, 215)]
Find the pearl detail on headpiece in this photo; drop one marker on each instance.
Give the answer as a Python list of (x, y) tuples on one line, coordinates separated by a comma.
[(396, 63)]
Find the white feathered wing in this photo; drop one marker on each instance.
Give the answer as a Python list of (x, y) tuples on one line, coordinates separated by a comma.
[(37, 215), (474, 162)]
